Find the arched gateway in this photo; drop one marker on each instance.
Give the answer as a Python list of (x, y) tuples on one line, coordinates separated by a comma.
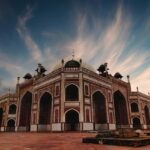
[(99, 111), (45, 112), (25, 112), (147, 116), (1, 116), (120, 110), (10, 125), (72, 120), (136, 123)]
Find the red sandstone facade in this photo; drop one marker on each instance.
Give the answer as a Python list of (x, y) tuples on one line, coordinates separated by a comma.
[(73, 97)]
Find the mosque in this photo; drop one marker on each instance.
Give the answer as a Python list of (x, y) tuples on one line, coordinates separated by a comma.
[(73, 97)]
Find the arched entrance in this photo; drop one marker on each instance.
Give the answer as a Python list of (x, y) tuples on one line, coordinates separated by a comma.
[(12, 109), (136, 123), (72, 121), (45, 109), (1, 116), (147, 116), (10, 125), (120, 109), (99, 111), (25, 112), (72, 93)]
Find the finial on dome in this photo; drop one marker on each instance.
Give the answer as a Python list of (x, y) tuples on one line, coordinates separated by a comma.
[(73, 55), (137, 88), (18, 79), (128, 78)]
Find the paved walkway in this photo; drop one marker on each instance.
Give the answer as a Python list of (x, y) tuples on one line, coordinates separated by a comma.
[(53, 141)]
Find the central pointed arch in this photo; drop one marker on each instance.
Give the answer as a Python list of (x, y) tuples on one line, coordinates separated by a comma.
[(45, 109), (120, 109), (25, 112), (72, 120), (99, 109), (1, 116), (136, 123), (11, 125)]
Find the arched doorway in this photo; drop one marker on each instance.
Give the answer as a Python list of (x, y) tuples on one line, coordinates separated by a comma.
[(10, 125), (1, 116), (120, 109), (99, 111), (134, 107), (72, 121), (147, 116), (72, 93), (45, 109), (136, 123), (25, 112), (12, 109)]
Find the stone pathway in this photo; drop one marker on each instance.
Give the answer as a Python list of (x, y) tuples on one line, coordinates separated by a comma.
[(53, 141)]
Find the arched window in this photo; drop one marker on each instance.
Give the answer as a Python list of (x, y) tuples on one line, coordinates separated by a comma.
[(57, 90), (120, 109), (87, 115), (12, 109), (134, 107), (56, 116), (86, 90), (72, 93)]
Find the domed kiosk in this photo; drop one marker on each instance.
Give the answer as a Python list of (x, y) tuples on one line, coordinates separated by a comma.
[(72, 64)]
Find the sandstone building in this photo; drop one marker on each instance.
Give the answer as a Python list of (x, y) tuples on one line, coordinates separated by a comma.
[(73, 97)]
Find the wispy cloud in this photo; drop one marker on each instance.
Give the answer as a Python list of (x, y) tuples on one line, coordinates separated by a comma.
[(13, 69), (142, 81), (24, 33), (96, 44), (109, 44)]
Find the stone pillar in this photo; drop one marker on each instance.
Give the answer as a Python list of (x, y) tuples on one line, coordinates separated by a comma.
[(62, 101), (81, 115)]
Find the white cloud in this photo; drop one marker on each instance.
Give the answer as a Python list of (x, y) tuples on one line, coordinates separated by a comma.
[(24, 33)]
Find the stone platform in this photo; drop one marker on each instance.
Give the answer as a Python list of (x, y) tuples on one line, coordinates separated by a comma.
[(134, 142)]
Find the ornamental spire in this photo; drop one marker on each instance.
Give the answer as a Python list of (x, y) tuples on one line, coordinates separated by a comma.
[(73, 55)]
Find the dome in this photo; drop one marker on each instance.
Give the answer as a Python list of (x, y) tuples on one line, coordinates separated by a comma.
[(72, 64), (118, 75), (27, 76)]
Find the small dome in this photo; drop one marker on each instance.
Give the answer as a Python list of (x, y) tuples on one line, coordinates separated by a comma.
[(118, 75), (27, 76), (72, 64)]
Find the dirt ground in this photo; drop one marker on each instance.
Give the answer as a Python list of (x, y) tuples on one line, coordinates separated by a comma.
[(53, 141)]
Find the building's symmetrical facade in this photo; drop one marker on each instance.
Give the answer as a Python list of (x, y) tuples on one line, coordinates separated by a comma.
[(73, 97)]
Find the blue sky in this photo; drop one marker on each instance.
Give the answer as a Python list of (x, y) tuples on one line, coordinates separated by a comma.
[(113, 31)]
